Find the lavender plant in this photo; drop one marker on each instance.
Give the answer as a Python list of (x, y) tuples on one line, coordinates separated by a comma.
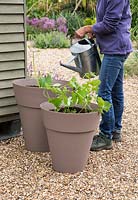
[(53, 39)]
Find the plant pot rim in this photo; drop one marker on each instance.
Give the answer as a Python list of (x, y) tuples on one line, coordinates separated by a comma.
[(68, 122), (25, 86), (29, 83), (49, 107)]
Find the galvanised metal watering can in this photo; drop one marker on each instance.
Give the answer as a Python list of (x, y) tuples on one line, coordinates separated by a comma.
[(85, 56)]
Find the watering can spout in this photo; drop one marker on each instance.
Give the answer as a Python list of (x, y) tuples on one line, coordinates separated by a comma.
[(76, 69)]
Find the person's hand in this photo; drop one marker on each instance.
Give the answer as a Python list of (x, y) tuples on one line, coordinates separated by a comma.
[(81, 32)]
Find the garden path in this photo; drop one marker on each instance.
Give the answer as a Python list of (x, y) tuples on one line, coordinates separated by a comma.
[(109, 175)]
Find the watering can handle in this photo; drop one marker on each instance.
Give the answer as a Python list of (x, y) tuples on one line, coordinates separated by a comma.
[(96, 51), (88, 40)]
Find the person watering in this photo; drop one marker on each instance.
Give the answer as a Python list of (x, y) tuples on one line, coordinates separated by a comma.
[(113, 38)]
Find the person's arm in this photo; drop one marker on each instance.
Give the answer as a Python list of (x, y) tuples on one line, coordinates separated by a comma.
[(111, 19)]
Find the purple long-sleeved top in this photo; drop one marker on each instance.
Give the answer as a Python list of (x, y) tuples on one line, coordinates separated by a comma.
[(112, 26)]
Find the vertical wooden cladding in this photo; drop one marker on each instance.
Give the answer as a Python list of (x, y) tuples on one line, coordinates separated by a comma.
[(12, 54)]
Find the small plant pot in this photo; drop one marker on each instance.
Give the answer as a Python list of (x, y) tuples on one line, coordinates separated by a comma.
[(29, 97), (70, 136)]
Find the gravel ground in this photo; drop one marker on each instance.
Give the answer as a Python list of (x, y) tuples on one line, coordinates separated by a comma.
[(109, 175)]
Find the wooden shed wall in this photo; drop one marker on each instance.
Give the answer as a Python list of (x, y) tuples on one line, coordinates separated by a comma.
[(12, 54)]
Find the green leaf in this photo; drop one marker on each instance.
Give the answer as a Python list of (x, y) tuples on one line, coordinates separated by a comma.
[(57, 84), (64, 98), (103, 105), (73, 83), (69, 101), (89, 75), (56, 90), (48, 79), (56, 102), (74, 98), (100, 101), (44, 81), (107, 106), (74, 94)]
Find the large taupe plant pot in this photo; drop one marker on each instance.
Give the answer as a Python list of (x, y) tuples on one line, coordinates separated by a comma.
[(29, 97), (69, 136)]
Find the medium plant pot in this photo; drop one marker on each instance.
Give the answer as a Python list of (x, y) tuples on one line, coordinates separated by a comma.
[(29, 97), (69, 136)]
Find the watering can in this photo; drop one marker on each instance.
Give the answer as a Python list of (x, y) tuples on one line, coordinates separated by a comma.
[(86, 57)]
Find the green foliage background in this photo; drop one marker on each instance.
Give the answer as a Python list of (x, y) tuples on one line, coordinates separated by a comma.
[(51, 8)]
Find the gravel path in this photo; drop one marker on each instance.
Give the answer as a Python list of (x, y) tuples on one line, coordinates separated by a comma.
[(109, 175)]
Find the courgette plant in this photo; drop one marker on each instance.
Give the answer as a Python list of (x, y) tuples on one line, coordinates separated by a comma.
[(73, 95)]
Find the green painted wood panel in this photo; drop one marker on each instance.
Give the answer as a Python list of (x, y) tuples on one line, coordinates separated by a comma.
[(11, 19), (11, 65), (9, 117), (8, 110), (6, 93), (11, 1), (14, 74), (7, 101), (11, 28), (11, 47), (5, 84), (12, 56), (8, 83), (11, 37), (11, 9)]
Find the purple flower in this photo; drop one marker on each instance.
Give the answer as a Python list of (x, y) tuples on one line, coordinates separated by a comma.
[(39, 73), (61, 25), (56, 77), (28, 21), (44, 74), (62, 28), (61, 21), (46, 24), (49, 25), (44, 19), (30, 69), (35, 22)]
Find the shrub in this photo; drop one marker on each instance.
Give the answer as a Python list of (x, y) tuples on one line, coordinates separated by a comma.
[(31, 32), (89, 21), (131, 65), (53, 39), (134, 29), (74, 21)]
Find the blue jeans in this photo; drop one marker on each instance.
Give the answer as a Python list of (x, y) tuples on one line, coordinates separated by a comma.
[(111, 89)]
